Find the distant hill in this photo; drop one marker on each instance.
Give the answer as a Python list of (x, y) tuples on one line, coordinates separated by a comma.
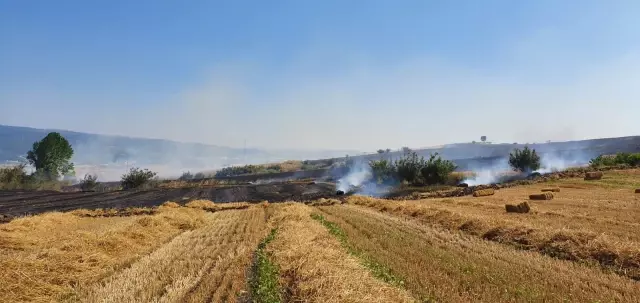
[(473, 155), (93, 149)]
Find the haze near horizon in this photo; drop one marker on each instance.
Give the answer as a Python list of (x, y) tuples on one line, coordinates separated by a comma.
[(327, 75)]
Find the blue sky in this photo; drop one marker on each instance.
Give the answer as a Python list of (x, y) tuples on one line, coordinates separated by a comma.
[(323, 74)]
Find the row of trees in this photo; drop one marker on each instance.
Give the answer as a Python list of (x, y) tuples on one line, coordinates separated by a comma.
[(412, 169), (51, 158), (629, 159), (417, 170)]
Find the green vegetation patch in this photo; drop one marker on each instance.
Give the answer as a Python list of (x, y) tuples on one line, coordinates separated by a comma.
[(378, 270), (264, 283), (629, 159)]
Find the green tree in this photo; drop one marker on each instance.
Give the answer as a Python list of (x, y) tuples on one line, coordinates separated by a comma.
[(136, 178), (382, 170), (51, 156), (409, 166), (436, 170), (525, 160), (89, 183)]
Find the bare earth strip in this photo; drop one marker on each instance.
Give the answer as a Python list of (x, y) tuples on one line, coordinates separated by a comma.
[(204, 265), (453, 267), (314, 267)]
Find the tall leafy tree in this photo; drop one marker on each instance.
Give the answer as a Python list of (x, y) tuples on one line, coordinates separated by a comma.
[(51, 156), (525, 160)]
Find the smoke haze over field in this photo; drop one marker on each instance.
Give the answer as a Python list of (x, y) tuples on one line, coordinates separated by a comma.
[(315, 77)]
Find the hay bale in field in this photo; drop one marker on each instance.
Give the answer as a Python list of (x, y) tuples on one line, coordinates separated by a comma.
[(171, 204), (542, 196), (551, 189), (521, 208), (593, 175), (638, 191), (484, 192)]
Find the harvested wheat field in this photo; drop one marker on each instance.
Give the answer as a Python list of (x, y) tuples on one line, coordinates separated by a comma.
[(442, 266), (581, 246), (591, 222)]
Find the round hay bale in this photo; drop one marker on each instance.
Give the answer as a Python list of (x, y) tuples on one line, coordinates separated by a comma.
[(510, 208), (542, 196), (551, 189), (524, 207), (484, 192), (593, 175), (521, 208)]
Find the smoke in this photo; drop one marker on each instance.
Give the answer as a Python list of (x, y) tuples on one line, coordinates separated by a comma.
[(488, 174), (359, 180), (551, 161), (358, 174)]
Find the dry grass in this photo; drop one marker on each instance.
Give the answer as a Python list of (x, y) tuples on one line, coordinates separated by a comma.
[(204, 265), (324, 201), (543, 196), (47, 257), (315, 267), (213, 207), (170, 204), (192, 183), (484, 192), (442, 266), (202, 204), (114, 212), (597, 225), (291, 165)]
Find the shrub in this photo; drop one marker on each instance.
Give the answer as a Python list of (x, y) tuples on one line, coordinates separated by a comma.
[(89, 183), (456, 178), (136, 178), (409, 166), (199, 176), (382, 171), (630, 159), (525, 160), (602, 160), (14, 177), (240, 170), (436, 170), (186, 176)]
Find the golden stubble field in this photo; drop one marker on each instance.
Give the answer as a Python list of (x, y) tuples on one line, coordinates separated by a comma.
[(581, 246)]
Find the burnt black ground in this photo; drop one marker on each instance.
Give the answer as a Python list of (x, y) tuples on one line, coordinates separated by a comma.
[(17, 203)]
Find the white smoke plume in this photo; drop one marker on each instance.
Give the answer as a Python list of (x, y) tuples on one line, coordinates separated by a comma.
[(549, 162)]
